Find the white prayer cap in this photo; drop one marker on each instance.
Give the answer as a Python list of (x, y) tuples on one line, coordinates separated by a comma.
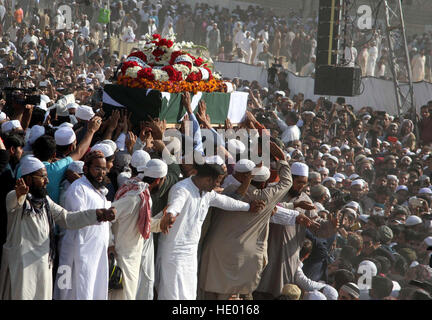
[(353, 176), (214, 160), (428, 241), (2, 116), (10, 125), (236, 146), (425, 191), (35, 132), (66, 124), (156, 168), (352, 289), (345, 147), (392, 177), (111, 143), (261, 174), (61, 110), (329, 179), (123, 177), (315, 295), (330, 293), (367, 116), (370, 267), (353, 204), (106, 149), (72, 105), (281, 93), (408, 158), (30, 164), (358, 182), (334, 149), (413, 220), (64, 136), (323, 170), (338, 180), (139, 160), (333, 158), (76, 166), (401, 187), (339, 175), (351, 211), (325, 146), (84, 113), (309, 112), (299, 169), (414, 264), (244, 165)]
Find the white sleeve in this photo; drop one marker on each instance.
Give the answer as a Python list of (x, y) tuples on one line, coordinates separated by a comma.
[(305, 283), (121, 141), (176, 200), (284, 216)]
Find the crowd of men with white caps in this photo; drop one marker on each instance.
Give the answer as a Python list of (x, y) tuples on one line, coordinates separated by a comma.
[(341, 220)]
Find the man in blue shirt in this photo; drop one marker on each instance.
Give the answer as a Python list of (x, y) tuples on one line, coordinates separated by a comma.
[(45, 149)]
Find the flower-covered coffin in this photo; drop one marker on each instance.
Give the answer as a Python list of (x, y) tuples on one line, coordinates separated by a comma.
[(167, 66), (150, 83)]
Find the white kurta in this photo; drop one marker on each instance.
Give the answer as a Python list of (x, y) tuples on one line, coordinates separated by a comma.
[(371, 62), (418, 68), (177, 261), (25, 272), (85, 250)]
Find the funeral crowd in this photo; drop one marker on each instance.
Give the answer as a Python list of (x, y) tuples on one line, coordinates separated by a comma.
[(93, 207)]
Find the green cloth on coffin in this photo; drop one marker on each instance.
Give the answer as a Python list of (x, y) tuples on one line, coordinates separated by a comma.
[(217, 107), (143, 103)]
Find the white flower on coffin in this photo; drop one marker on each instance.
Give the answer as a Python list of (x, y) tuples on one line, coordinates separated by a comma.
[(217, 76), (183, 69), (160, 75), (133, 72)]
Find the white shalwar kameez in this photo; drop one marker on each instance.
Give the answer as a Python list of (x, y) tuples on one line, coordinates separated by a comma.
[(371, 62), (85, 250), (177, 261)]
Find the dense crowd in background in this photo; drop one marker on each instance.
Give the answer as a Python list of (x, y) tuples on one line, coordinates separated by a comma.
[(347, 195)]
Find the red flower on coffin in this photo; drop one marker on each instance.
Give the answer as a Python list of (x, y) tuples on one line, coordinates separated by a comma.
[(128, 64), (139, 54), (158, 52), (194, 76), (146, 74), (173, 74)]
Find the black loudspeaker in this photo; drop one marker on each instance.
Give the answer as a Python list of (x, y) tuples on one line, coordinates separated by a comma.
[(329, 20), (337, 81)]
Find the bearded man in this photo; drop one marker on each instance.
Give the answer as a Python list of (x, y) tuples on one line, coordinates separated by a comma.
[(29, 252), (85, 250)]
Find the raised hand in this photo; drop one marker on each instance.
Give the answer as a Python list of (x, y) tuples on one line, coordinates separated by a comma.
[(21, 189), (130, 141), (303, 220), (305, 205), (186, 101), (276, 152), (94, 124)]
